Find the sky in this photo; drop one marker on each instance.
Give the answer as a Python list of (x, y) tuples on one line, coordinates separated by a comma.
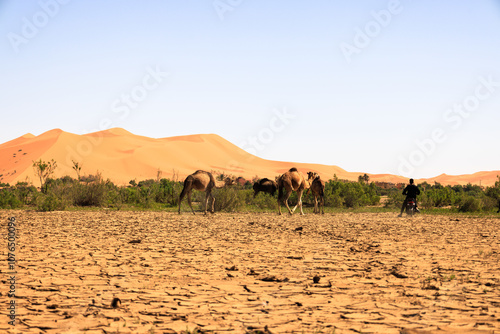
[(404, 87)]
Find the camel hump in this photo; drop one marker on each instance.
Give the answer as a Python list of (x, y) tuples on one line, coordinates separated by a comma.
[(293, 169), (264, 180)]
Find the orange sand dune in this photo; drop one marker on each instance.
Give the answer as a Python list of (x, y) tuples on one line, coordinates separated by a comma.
[(122, 156), (480, 178)]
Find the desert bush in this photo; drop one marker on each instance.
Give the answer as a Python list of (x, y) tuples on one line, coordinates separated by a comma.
[(146, 195), (425, 201), (332, 194), (25, 193), (129, 195), (50, 202), (262, 200), (350, 194), (493, 192), (353, 196), (92, 193), (438, 197), (228, 199), (63, 188), (489, 203), (148, 192), (115, 198), (168, 192), (44, 170), (443, 197), (470, 204), (13, 197), (8, 199), (395, 200)]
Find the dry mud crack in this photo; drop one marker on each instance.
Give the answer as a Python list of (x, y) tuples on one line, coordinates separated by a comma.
[(237, 273)]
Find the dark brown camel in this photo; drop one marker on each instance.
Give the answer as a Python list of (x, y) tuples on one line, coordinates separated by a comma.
[(264, 185), (318, 190), (202, 181)]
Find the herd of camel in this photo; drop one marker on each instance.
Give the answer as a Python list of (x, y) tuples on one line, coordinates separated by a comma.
[(292, 180)]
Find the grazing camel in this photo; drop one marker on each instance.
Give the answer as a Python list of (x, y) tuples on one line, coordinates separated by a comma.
[(318, 190), (293, 180), (264, 185), (202, 181)]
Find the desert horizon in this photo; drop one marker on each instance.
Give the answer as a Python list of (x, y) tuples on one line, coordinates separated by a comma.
[(122, 156)]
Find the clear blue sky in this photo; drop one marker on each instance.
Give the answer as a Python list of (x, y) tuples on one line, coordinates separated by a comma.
[(402, 87)]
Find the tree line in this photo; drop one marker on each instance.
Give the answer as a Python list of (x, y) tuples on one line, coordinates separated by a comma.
[(162, 193)]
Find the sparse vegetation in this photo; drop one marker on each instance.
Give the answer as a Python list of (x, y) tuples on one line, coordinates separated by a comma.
[(162, 193), (44, 170), (350, 194), (77, 167)]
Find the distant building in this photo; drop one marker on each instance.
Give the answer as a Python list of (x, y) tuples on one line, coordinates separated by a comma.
[(389, 185)]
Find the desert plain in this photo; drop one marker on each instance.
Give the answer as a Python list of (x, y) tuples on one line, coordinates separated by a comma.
[(252, 272)]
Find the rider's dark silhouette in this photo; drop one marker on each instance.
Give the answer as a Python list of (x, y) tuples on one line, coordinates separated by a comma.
[(411, 191)]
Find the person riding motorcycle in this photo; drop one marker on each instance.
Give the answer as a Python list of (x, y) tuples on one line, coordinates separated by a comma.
[(411, 191)]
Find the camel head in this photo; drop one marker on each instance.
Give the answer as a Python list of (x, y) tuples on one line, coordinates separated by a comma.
[(311, 176), (224, 181), (229, 181)]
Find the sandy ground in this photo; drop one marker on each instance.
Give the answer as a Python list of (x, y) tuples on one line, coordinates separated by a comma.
[(246, 272)]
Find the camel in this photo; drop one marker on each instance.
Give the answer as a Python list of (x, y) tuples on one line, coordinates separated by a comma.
[(293, 180), (318, 190), (202, 181), (265, 185)]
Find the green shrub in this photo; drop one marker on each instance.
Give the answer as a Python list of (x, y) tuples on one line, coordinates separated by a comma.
[(442, 197), (489, 203), (8, 199), (25, 193), (350, 194), (262, 200), (228, 199), (92, 193), (470, 204), (148, 192), (168, 192), (395, 200), (115, 198), (50, 202)]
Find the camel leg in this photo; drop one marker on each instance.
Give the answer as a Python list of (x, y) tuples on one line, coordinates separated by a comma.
[(322, 204), (299, 200), (279, 206), (287, 196), (213, 203), (181, 197), (315, 201), (189, 202), (285, 200), (207, 196), (299, 195)]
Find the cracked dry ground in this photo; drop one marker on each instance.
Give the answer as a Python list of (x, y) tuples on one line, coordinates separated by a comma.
[(334, 273)]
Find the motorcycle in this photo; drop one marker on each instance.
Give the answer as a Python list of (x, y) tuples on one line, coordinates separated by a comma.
[(411, 206)]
